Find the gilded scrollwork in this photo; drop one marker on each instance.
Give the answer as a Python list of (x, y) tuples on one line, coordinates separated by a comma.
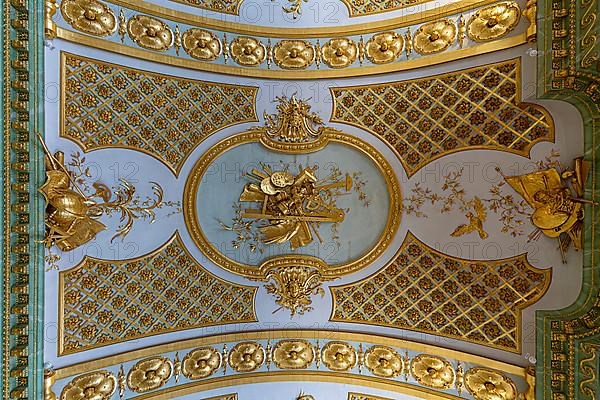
[(246, 356), (488, 384), (384, 361), (97, 385), (293, 54), (493, 22), (248, 51), (435, 37), (149, 374), (384, 47), (339, 52), (150, 33), (433, 371), (339, 356), (201, 363), (201, 44), (89, 16), (293, 354)]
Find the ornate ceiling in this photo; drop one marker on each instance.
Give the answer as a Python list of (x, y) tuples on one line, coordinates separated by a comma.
[(361, 200)]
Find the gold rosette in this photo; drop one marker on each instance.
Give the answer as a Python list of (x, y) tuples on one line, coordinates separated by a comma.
[(246, 356), (384, 47), (435, 37), (432, 371), (200, 363), (201, 44), (89, 16), (99, 385), (149, 374), (293, 54), (384, 361), (339, 356), (248, 51), (150, 33), (494, 22), (487, 384), (339, 53), (293, 354)]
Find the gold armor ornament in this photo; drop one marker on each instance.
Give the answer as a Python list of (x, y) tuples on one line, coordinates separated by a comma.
[(557, 200)]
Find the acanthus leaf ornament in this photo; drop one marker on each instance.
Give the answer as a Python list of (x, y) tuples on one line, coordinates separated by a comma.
[(246, 356), (339, 356), (432, 371), (201, 363), (248, 51), (89, 16), (493, 22), (149, 374), (339, 53), (98, 385), (201, 44), (293, 54), (294, 122), (487, 384), (435, 37), (150, 33), (384, 361), (384, 47), (293, 354), (293, 287)]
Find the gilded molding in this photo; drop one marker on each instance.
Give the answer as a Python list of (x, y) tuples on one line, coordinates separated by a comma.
[(163, 116), (424, 119), (358, 8), (475, 301), (104, 302)]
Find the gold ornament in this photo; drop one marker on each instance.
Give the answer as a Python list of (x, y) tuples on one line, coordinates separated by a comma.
[(435, 37), (246, 356), (99, 385), (494, 22), (384, 47), (294, 122), (201, 362), (149, 374), (339, 356), (293, 354), (487, 384), (293, 54), (248, 51), (384, 361), (293, 287), (150, 33), (89, 16), (201, 44), (339, 53), (433, 371)]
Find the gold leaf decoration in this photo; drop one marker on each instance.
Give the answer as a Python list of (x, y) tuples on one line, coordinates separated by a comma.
[(487, 384), (435, 37), (201, 362), (247, 51), (433, 371), (246, 356), (293, 54), (384, 47), (339, 356), (150, 33), (98, 385), (384, 361), (293, 354), (494, 22), (201, 44), (149, 374), (89, 16), (339, 52)]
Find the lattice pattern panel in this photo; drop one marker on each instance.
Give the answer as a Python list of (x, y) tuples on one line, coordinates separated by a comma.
[(424, 119), (430, 292), (106, 302), (109, 105), (365, 7)]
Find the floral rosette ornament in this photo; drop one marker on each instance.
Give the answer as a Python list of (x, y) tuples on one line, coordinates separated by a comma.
[(339, 53), (384, 361), (201, 44), (384, 47), (89, 16), (487, 384), (434, 372), (99, 385), (293, 354), (201, 363), (339, 356), (434, 37), (294, 54), (246, 356), (493, 22), (150, 33), (248, 51), (149, 374)]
